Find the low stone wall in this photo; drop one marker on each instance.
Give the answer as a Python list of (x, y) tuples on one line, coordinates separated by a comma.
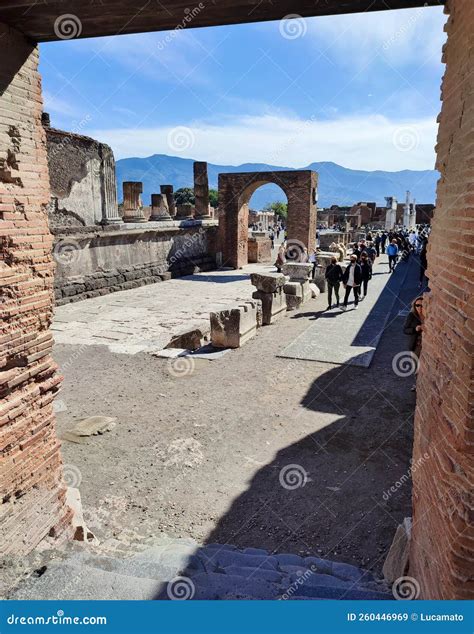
[(93, 261)]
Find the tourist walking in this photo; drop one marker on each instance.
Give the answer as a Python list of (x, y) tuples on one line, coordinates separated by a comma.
[(271, 235), (423, 263), (383, 241), (371, 252), (366, 268), (313, 259), (377, 241), (392, 252), (333, 279), (352, 279)]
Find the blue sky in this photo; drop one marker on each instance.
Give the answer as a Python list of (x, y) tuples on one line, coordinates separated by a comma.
[(361, 90)]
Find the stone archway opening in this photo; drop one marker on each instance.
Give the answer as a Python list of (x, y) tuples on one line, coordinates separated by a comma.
[(235, 192)]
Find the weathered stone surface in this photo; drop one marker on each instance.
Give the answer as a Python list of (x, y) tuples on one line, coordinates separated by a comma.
[(259, 249), (189, 339), (396, 564), (94, 425), (297, 271), (159, 208), (231, 328), (185, 211), (132, 202), (268, 282), (293, 288), (273, 305)]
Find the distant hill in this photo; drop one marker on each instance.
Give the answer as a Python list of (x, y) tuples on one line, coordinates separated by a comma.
[(337, 185)]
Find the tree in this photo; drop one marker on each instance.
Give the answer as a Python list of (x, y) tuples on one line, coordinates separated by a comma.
[(279, 209), (213, 198), (184, 195)]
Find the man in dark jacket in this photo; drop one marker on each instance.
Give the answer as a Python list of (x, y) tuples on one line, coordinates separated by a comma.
[(333, 279), (352, 279)]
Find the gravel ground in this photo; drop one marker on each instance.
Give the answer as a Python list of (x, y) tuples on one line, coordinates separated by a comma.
[(199, 451)]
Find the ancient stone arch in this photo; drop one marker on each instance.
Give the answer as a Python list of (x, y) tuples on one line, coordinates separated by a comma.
[(235, 191)]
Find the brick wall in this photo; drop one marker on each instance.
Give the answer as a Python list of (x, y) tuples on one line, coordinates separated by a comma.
[(441, 550), (31, 488)]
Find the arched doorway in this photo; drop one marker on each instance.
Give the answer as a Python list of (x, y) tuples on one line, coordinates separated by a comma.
[(235, 191)]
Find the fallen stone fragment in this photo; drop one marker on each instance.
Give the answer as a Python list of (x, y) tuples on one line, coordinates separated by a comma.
[(396, 564), (72, 437), (94, 425)]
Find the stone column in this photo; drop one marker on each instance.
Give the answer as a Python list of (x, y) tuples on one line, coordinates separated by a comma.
[(167, 190), (184, 212), (132, 203), (110, 213), (201, 190), (159, 207)]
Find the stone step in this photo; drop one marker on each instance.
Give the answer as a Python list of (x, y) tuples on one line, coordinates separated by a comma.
[(66, 581), (181, 568)]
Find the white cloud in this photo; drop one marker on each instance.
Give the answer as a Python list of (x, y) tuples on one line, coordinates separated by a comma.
[(407, 36), (359, 142), (56, 105)]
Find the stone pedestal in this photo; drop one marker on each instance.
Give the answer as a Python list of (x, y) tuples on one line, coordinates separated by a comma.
[(167, 190), (232, 327), (132, 202), (184, 212), (159, 208), (297, 290), (201, 190), (270, 292), (259, 249)]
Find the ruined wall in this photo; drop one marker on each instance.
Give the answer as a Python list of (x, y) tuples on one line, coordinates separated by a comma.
[(31, 487), (93, 262), (82, 179), (442, 538)]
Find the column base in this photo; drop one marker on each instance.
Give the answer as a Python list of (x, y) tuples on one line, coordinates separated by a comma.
[(135, 219), (159, 218)]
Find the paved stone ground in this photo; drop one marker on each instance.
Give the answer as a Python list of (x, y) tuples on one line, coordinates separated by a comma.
[(351, 337), (146, 319), (284, 455)]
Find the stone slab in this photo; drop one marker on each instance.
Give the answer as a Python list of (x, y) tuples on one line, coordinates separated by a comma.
[(351, 338), (94, 425)]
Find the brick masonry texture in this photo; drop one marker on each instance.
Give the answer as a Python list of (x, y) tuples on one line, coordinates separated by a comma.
[(235, 191), (441, 550), (31, 486)]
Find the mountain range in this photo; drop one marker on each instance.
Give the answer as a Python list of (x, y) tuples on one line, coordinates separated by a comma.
[(337, 185)]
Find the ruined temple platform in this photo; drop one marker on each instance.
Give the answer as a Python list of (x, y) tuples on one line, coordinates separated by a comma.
[(351, 337), (148, 318)]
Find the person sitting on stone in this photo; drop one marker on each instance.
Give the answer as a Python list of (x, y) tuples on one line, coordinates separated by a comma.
[(281, 257)]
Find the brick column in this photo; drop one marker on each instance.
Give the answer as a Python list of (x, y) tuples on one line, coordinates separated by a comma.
[(167, 190), (201, 190), (32, 501), (442, 535), (132, 202), (159, 208)]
